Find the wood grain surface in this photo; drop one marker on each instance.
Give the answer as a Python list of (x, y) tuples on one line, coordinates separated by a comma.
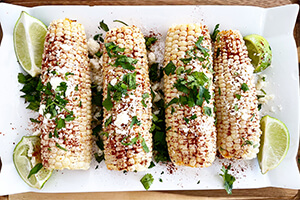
[(262, 193)]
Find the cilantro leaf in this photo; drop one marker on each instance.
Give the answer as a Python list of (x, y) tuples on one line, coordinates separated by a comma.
[(60, 147), (99, 158), (207, 111), (108, 121), (108, 104), (185, 60), (228, 179), (112, 49), (147, 181), (60, 123), (103, 26), (238, 96), (35, 169), (144, 145), (130, 80), (149, 41), (125, 62), (244, 87), (135, 121), (170, 68), (215, 33), (116, 20)]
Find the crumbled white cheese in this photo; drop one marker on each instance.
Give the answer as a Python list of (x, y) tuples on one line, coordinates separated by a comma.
[(122, 118), (42, 109), (55, 81), (265, 99), (66, 47), (95, 64), (151, 58), (93, 46), (113, 82)]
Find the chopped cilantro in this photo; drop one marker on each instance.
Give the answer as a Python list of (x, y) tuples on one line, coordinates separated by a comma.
[(238, 96), (172, 110), (144, 145), (187, 120), (60, 147), (236, 108), (186, 60), (112, 49), (244, 87), (147, 181), (263, 91), (151, 165), (215, 33), (228, 179), (198, 182), (99, 158), (207, 111), (99, 54), (149, 41), (108, 104), (170, 68), (125, 62), (60, 123), (219, 91), (201, 48), (194, 116), (116, 20), (99, 37), (160, 180), (76, 87), (35, 120), (69, 117), (130, 80), (67, 74), (259, 106), (103, 26), (218, 52), (35, 169), (108, 121), (252, 117), (154, 73), (135, 121), (144, 96)]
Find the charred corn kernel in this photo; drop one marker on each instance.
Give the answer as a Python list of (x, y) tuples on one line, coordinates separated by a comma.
[(127, 101), (65, 110), (235, 96), (191, 133)]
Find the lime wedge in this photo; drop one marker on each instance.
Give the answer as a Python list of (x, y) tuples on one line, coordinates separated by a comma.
[(29, 36), (26, 156), (259, 52), (275, 142)]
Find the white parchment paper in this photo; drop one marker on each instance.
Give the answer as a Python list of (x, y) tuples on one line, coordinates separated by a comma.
[(276, 24)]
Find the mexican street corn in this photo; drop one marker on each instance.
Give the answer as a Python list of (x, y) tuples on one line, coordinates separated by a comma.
[(235, 95), (191, 133), (65, 110), (127, 101)]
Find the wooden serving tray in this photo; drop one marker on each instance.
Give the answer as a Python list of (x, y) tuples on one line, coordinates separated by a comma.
[(262, 193)]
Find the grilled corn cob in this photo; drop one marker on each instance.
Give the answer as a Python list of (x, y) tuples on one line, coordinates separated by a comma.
[(127, 102), (235, 95), (65, 110), (191, 133)]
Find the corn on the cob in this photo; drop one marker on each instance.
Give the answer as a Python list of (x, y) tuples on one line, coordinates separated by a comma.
[(65, 110), (127, 101), (235, 95), (191, 133)]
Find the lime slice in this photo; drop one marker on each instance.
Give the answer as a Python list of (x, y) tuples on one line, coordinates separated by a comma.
[(275, 142), (259, 51), (29, 36), (26, 156)]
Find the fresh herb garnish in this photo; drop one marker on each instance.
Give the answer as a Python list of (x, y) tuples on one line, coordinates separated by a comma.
[(144, 145), (60, 147), (238, 96), (108, 121), (246, 142), (215, 33), (35, 170), (147, 181), (35, 120), (154, 73), (103, 26), (228, 179), (144, 96), (99, 158), (170, 68), (116, 20), (32, 89), (244, 87), (149, 41), (151, 165), (186, 60), (135, 121), (67, 74), (207, 111)]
